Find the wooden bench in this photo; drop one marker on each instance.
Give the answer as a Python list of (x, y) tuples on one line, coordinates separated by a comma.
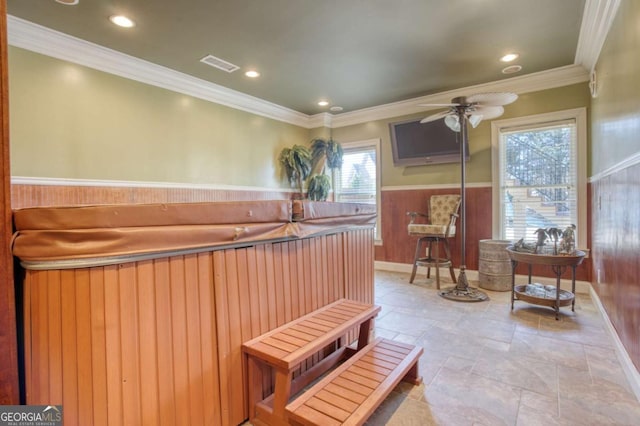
[(285, 348), (351, 393)]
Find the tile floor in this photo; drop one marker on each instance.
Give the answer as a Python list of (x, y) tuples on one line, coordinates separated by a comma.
[(486, 365)]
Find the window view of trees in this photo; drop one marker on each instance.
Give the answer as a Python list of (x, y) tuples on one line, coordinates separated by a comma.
[(539, 180)]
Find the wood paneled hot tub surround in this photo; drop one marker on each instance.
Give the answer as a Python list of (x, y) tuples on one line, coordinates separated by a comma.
[(136, 314)]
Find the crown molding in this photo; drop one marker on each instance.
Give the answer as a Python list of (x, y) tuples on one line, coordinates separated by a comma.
[(47, 181), (39, 39), (597, 18), (323, 119), (548, 79)]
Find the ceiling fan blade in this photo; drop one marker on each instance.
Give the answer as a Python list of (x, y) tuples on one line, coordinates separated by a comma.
[(438, 105), (434, 117), (493, 98), (488, 112)]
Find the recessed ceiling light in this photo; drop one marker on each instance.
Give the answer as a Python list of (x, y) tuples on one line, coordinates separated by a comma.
[(336, 108), (252, 74), (122, 21), (511, 69), (323, 103), (68, 2), (509, 57)]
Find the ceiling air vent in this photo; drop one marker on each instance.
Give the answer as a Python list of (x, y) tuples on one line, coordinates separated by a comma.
[(219, 63)]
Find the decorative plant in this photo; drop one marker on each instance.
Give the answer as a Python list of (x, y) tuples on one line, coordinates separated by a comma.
[(296, 163), (542, 237), (555, 234), (319, 187), (568, 243), (326, 154)]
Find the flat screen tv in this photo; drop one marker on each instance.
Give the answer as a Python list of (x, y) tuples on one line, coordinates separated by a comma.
[(415, 144)]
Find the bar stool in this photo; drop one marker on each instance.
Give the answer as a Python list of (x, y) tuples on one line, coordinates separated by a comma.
[(440, 226)]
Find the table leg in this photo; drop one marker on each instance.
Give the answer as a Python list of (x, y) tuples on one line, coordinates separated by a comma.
[(514, 264), (573, 288), (437, 265), (558, 271)]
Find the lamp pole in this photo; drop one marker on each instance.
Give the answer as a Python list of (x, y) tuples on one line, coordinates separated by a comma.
[(462, 292)]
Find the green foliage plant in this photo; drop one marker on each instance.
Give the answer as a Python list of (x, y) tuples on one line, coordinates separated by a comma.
[(319, 187), (326, 154), (296, 163)]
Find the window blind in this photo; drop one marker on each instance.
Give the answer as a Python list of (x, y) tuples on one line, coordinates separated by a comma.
[(356, 181), (538, 178)]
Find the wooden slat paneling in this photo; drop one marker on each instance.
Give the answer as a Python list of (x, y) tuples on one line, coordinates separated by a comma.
[(399, 247), (113, 352), (210, 369), (98, 385), (69, 327), (159, 341), (23, 195), (148, 344)]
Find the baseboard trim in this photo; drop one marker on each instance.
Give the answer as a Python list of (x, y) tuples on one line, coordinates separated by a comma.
[(630, 370)]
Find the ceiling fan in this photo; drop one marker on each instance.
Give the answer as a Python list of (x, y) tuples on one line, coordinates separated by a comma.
[(478, 107), (462, 110)]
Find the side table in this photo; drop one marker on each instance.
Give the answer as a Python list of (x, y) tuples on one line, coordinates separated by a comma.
[(558, 263)]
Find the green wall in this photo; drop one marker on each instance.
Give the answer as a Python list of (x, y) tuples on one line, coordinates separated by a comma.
[(616, 110), (70, 121), (479, 166)]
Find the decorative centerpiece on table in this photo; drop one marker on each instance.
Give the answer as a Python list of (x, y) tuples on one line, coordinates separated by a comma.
[(564, 243)]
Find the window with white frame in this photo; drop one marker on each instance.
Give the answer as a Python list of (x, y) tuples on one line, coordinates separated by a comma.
[(359, 179), (539, 178)]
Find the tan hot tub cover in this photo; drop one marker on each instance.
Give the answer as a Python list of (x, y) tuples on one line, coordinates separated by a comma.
[(72, 237)]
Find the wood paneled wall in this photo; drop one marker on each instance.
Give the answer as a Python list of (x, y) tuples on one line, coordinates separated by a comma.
[(399, 247), (159, 341), (23, 195), (615, 207)]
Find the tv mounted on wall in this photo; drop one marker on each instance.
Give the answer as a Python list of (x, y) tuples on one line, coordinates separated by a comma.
[(415, 144)]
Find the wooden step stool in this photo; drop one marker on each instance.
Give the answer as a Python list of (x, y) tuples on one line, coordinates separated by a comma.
[(352, 392)]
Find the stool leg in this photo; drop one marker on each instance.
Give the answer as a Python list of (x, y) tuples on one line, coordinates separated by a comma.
[(448, 252), (429, 258), (437, 263), (415, 260)]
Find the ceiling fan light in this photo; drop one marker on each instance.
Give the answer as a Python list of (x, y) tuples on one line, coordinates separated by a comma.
[(474, 120), (452, 122)]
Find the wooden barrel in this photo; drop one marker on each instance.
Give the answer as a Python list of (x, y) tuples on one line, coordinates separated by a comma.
[(494, 266)]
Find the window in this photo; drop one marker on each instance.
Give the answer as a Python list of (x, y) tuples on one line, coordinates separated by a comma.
[(359, 179), (539, 174)]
